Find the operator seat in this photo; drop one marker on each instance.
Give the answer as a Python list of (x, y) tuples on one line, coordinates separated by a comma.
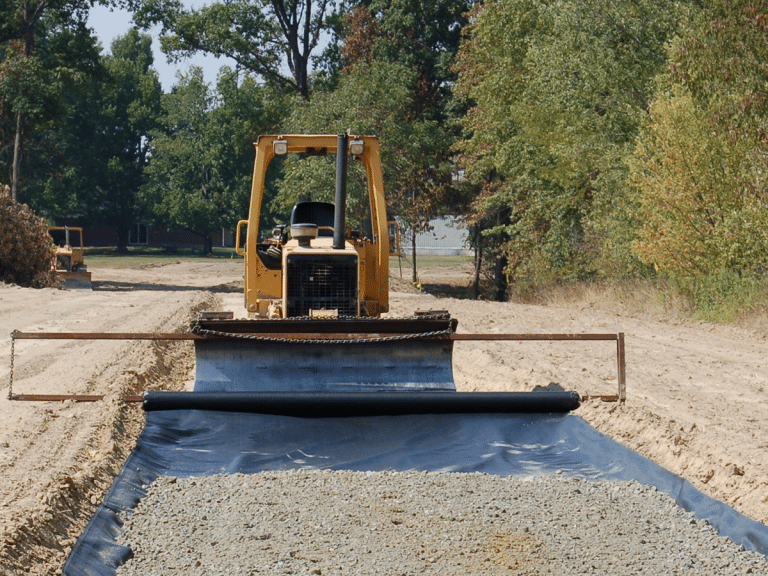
[(318, 213)]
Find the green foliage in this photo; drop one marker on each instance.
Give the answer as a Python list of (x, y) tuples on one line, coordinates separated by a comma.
[(264, 37), (724, 296), (423, 35), (374, 98), (701, 164), (21, 90), (697, 215), (371, 100), (555, 90), (722, 60), (102, 145), (46, 51), (200, 172), (42, 51), (421, 38)]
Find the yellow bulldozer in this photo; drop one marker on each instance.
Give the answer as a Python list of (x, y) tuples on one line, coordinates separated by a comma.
[(315, 290), (69, 262), (325, 269)]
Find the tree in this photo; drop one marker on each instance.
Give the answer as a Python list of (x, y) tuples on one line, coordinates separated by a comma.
[(722, 60), (701, 165), (370, 99), (199, 175), (555, 89), (264, 37), (102, 147), (31, 77), (699, 215), (373, 98), (422, 37)]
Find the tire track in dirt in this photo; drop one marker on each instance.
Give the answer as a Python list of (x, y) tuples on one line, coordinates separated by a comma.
[(63, 457)]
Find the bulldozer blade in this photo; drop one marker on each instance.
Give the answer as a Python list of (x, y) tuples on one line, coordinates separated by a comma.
[(79, 280), (324, 355), (260, 366)]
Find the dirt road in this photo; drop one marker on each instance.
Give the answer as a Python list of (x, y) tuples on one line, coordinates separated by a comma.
[(696, 392)]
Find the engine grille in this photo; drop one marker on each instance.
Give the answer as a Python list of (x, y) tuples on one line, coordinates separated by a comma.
[(320, 282)]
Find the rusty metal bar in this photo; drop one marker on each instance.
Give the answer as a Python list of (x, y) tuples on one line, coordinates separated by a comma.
[(139, 398), (542, 337), (303, 335), (601, 397), (16, 335), (72, 397), (621, 359), (102, 336)]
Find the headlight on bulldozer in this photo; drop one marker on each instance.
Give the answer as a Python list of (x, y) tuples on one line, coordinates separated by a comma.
[(356, 147), (280, 147)]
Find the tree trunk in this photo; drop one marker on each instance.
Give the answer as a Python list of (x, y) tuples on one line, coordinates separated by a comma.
[(207, 245), (500, 279), (16, 166), (413, 254), (30, 24), (478, 264), (122, 237)]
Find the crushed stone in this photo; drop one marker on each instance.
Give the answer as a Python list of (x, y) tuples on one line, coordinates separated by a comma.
[(323, 522)]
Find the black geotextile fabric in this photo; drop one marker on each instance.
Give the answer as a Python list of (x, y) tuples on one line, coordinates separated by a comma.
[(200, 442)]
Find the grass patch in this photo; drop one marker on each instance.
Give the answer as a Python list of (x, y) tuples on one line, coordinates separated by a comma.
[(718, 299), (108, 257), (637, 297), (430, 261), (726, 297)]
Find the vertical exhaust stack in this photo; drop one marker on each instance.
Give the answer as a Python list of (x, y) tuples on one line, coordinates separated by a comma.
[(339, 221)]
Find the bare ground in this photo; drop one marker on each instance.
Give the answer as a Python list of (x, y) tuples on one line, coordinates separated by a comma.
[(696, 392)]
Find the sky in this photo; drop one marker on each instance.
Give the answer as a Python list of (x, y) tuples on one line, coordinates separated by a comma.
[(109, 24)]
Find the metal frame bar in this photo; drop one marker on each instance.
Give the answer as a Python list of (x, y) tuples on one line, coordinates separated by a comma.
[(102, 336), (71, 397), (16, 335)]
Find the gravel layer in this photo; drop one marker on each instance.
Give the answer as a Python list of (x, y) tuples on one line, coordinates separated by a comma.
[(407, 523)]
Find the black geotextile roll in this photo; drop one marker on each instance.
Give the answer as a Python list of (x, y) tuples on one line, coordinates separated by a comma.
[(340, 404)]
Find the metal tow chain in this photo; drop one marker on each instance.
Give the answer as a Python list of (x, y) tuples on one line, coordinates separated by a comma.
[(197, 329), (207, 332), (10, 373)]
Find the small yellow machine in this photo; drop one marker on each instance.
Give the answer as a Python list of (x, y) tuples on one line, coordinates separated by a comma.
[(69, 263)]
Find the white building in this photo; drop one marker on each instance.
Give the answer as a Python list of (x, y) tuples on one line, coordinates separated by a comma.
[(448, 237)]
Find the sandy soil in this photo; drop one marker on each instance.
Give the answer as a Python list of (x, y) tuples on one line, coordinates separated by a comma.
[(696, 392)]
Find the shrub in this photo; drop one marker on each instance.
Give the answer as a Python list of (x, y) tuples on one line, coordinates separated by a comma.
[(724, 296), (26, 249)]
